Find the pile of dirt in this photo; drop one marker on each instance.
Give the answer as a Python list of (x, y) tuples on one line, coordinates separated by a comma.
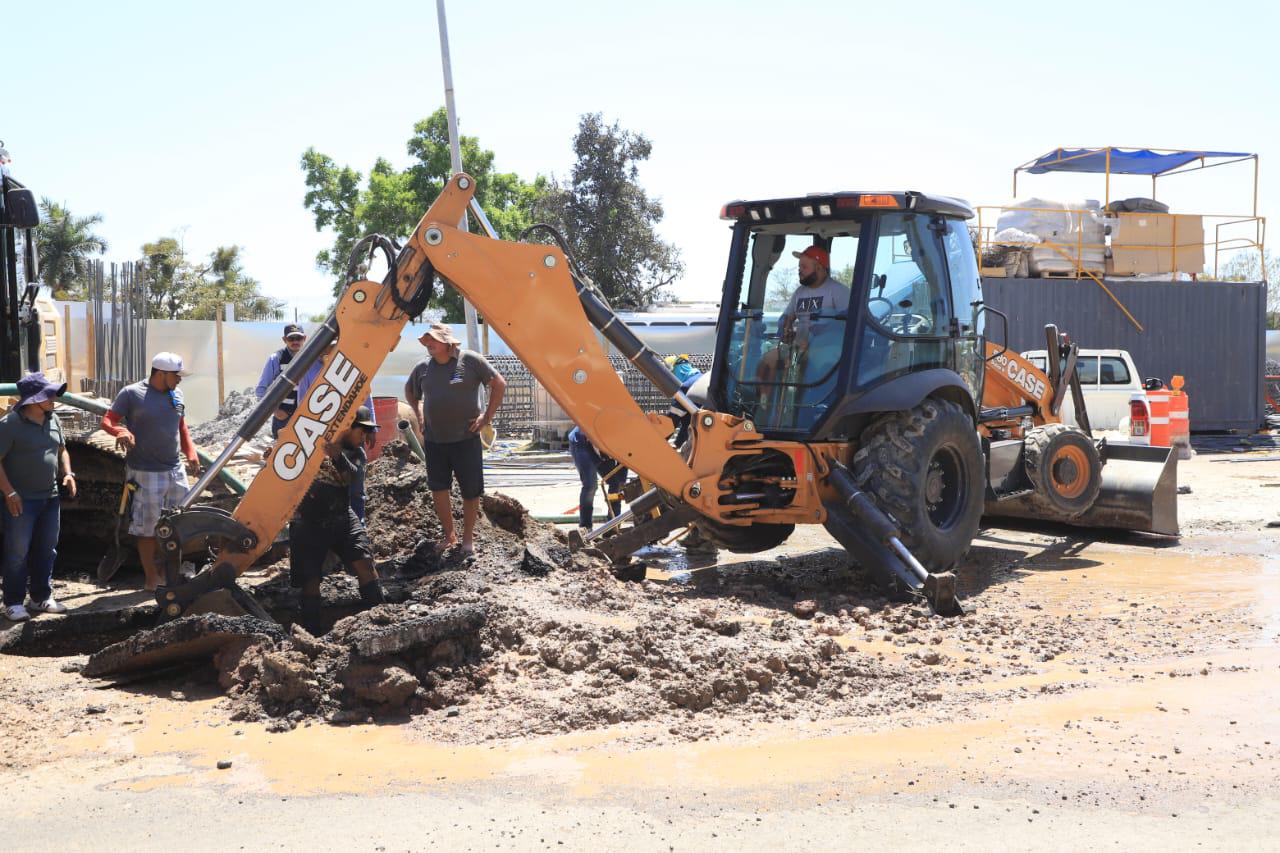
[(528, 637), (235, 408), (405, 530)]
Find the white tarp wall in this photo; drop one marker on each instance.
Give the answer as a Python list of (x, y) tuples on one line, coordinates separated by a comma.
[(246, 346)]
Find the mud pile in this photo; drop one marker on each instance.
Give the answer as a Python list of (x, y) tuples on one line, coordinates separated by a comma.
[(405, 530), (235, 408), (530, 638)]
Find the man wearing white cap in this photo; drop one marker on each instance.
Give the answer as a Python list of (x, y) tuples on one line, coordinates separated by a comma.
[(148, 420)]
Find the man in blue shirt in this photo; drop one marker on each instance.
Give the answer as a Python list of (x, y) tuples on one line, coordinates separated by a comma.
[(293, 339), (149, 422)]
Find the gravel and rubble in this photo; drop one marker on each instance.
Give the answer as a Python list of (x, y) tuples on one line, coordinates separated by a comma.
[(217, 431), (529, 638)]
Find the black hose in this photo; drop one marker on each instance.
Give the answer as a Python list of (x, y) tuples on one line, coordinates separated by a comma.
[(391, 250)]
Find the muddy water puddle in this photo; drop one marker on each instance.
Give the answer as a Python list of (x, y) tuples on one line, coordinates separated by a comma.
[(1107, 582), (1214, 721)]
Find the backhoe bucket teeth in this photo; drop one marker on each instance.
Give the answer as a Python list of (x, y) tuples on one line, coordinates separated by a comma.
[(1139, 492), (940, 592)]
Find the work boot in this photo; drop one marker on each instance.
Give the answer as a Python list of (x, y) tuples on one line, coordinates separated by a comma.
[(371, 595), (309, 615)]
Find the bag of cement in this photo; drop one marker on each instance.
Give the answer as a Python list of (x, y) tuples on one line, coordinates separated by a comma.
[(1016, 236), (1049, 220), (1137, 205)]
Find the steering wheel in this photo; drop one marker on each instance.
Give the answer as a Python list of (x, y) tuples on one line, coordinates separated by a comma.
[(879, 318), (916, 324)]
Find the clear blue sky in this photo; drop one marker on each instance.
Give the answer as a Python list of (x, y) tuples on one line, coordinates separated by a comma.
[(189, 119)]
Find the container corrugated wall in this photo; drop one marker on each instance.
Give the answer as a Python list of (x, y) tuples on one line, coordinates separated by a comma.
[(1212, 333)]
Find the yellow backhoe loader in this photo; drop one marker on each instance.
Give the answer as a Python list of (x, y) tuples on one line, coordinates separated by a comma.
[(886, 416)]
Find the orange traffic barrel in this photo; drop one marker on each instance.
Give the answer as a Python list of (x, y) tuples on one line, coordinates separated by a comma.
[(386, 413), (1179, 420), (1158, 403)]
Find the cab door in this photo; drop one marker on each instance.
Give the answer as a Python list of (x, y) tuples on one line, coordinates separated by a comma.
[(966, 301)]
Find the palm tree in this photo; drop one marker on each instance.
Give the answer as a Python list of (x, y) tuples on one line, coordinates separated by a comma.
[(65, 243)]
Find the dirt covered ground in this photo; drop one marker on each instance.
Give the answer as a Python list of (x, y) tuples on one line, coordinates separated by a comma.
[(1093, 678)]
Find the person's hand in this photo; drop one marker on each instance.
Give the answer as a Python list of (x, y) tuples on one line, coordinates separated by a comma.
[(125, 441), (14, 504), (69, 483), (193, 466), (281, 415), (788, 331), (478, 424)]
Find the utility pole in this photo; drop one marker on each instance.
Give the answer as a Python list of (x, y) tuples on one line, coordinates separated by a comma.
[(455, 158)]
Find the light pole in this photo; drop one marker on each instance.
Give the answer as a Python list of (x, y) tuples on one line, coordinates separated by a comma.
[(455, 157)]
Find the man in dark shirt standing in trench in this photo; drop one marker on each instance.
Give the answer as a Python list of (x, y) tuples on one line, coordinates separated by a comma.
[(326, 522), (444, 390)]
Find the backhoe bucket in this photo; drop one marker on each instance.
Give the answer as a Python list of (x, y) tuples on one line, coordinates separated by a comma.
[(1139, 492)]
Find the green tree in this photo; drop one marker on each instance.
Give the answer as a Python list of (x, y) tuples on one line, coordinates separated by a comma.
[(392, 201), (608, 218), (223, 280), (1251, 265), (168, 277), (65, 243), (178, 289)]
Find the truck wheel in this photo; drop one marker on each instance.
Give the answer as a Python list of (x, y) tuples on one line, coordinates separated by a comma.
[(924, 466), (1063, 467), (751, 539)]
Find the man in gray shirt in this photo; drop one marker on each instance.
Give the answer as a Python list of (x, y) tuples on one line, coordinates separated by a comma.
[(149, 423), (32, 450), (444, 390)]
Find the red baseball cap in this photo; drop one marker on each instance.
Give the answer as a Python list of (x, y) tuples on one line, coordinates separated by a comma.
[(814, 253)]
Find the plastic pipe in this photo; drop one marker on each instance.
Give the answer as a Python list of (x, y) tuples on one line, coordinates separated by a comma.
[(411, 438)]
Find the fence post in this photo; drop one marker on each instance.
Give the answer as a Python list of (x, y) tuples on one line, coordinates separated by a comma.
[(91, 348), (66, 346), (217, 317)]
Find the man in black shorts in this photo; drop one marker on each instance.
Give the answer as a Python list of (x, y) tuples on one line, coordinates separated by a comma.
[(444, 390), (326, 522)]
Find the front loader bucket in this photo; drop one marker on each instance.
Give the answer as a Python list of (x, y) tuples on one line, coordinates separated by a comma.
[(1139, 492)]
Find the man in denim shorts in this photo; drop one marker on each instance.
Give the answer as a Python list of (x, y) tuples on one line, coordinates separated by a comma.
[(148, 420)]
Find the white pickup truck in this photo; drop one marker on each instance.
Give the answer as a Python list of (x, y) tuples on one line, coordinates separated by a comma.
[(1108, 378)]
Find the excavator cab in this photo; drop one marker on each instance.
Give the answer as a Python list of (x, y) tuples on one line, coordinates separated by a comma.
[(892, 310)]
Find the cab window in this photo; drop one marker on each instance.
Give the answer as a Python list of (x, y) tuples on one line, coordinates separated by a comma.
[(907, 302), (785, 347), (1113, 371)]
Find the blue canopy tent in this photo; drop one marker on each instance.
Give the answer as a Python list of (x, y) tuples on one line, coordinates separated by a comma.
[(1134, 161)]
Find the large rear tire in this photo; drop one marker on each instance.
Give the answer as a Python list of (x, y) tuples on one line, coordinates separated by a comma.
[(924, 466), (1064, 469)]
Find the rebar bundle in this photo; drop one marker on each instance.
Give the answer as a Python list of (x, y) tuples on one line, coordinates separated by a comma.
[(118, 317)]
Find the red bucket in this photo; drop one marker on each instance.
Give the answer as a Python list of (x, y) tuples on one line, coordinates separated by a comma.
[(386, 413)]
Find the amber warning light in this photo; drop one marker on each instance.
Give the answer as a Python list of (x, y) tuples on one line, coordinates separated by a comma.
[(877, 201)]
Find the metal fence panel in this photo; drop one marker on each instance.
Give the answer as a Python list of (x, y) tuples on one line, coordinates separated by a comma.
[(1212, 333)]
